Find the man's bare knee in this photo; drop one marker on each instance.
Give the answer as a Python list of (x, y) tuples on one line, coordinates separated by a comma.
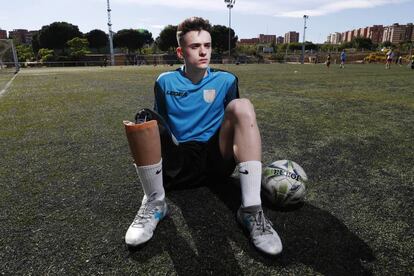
[(241, 109)]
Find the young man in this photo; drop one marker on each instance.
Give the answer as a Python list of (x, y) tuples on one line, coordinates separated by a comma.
[(213, 131), (390, 56), (343, 57), (328, 60)]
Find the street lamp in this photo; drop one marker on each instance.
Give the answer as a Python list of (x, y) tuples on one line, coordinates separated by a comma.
[(230, 4), (110, 37), (303, 44)]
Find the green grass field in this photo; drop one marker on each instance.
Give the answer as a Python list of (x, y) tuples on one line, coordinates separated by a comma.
[(69, 190)]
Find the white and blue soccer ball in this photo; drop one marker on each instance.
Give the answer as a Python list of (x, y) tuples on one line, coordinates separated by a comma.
[(283, 183)]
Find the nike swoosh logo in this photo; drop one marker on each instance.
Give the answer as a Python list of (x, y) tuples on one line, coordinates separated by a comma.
[(244, 172), (158, 172)]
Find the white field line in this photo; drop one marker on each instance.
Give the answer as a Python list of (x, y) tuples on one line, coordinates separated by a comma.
[(3, 91)]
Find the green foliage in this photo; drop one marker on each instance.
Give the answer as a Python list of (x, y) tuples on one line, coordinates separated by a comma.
[(362, 43), (167, 40), (97, 39), (279, 57), (148, 51), (310, 46), (405, 46), (295, 46), (220, 38), (132, 39), (78, 47), (24, 53), (35, 43), (386, 44), (246, 49), (45, 54), (282, 47), (327, 47), (55, 35)]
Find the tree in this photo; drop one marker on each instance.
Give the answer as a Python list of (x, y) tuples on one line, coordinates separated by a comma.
[(220, 38), (78, 47), (97, 39), (386, 44), (362, 43), (132, 39), (310, 46), (45, 54), (246, 49), (24, 52), (55, 35), (35, 43), (295, 46), (167, 40)]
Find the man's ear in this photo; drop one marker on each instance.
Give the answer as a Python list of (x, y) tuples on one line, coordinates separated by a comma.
[(179, 51)]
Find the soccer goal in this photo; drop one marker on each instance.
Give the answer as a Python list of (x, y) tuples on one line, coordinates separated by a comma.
[(9, 65), (8, 57)]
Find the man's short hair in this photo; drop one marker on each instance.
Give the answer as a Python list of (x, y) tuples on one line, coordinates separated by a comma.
[(192, 24)]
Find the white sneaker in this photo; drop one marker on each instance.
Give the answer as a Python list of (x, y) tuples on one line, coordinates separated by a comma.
[(142, 228), (260, 230)]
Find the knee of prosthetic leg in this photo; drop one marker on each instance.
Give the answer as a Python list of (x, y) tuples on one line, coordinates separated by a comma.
[(143, 140)]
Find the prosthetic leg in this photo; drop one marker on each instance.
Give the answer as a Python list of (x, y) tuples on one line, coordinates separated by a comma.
[(144, 142)]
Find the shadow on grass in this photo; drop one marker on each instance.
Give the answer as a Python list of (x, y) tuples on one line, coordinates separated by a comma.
[(311, 236)]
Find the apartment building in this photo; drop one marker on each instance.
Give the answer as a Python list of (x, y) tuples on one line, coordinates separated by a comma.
[(394, 33), (375, 33), (267, 38), (249, 41), (280, 40), (22, 36), (334, 38), (291, 37), (3, 34)]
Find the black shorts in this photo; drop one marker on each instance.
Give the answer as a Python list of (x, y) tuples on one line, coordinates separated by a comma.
[(192, 164)]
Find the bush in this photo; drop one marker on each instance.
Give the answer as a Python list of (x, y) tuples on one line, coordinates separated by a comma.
[(375, 57), (45, 54)]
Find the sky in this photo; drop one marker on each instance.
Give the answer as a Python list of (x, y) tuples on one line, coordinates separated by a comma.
[(249, 18)]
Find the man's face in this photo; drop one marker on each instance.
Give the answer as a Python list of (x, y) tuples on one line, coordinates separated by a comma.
[(195, 50)]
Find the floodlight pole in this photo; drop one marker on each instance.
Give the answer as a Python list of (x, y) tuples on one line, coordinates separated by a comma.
[(111, 46), (303, 43), (230, 5)]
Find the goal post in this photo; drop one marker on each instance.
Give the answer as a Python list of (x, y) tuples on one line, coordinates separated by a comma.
[(8, 56)]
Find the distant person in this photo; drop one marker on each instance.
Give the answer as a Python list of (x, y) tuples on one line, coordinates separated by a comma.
[(390, 56), (203, 130), (343, 58), (328, 61), (399, 60)]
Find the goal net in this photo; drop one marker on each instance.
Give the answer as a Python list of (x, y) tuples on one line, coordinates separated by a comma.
[(9, 64)]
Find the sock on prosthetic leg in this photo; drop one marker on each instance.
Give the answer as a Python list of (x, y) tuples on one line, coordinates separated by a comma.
[(145, 145)]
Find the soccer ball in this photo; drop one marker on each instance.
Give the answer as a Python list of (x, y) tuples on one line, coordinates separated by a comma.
[(283, 183)]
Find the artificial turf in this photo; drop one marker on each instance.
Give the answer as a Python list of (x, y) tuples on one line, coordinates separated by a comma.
[(69, 190)]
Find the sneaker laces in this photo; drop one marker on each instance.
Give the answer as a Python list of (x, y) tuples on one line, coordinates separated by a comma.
[(145, 213), (263, 225)]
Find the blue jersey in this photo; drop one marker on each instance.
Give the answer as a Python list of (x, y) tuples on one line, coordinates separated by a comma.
[(194, 112)]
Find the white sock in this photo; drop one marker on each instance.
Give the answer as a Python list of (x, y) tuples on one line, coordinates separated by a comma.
[(151, 179), (250, 182)]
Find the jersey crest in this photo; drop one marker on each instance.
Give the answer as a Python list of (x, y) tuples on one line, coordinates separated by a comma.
[(209, 95)]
